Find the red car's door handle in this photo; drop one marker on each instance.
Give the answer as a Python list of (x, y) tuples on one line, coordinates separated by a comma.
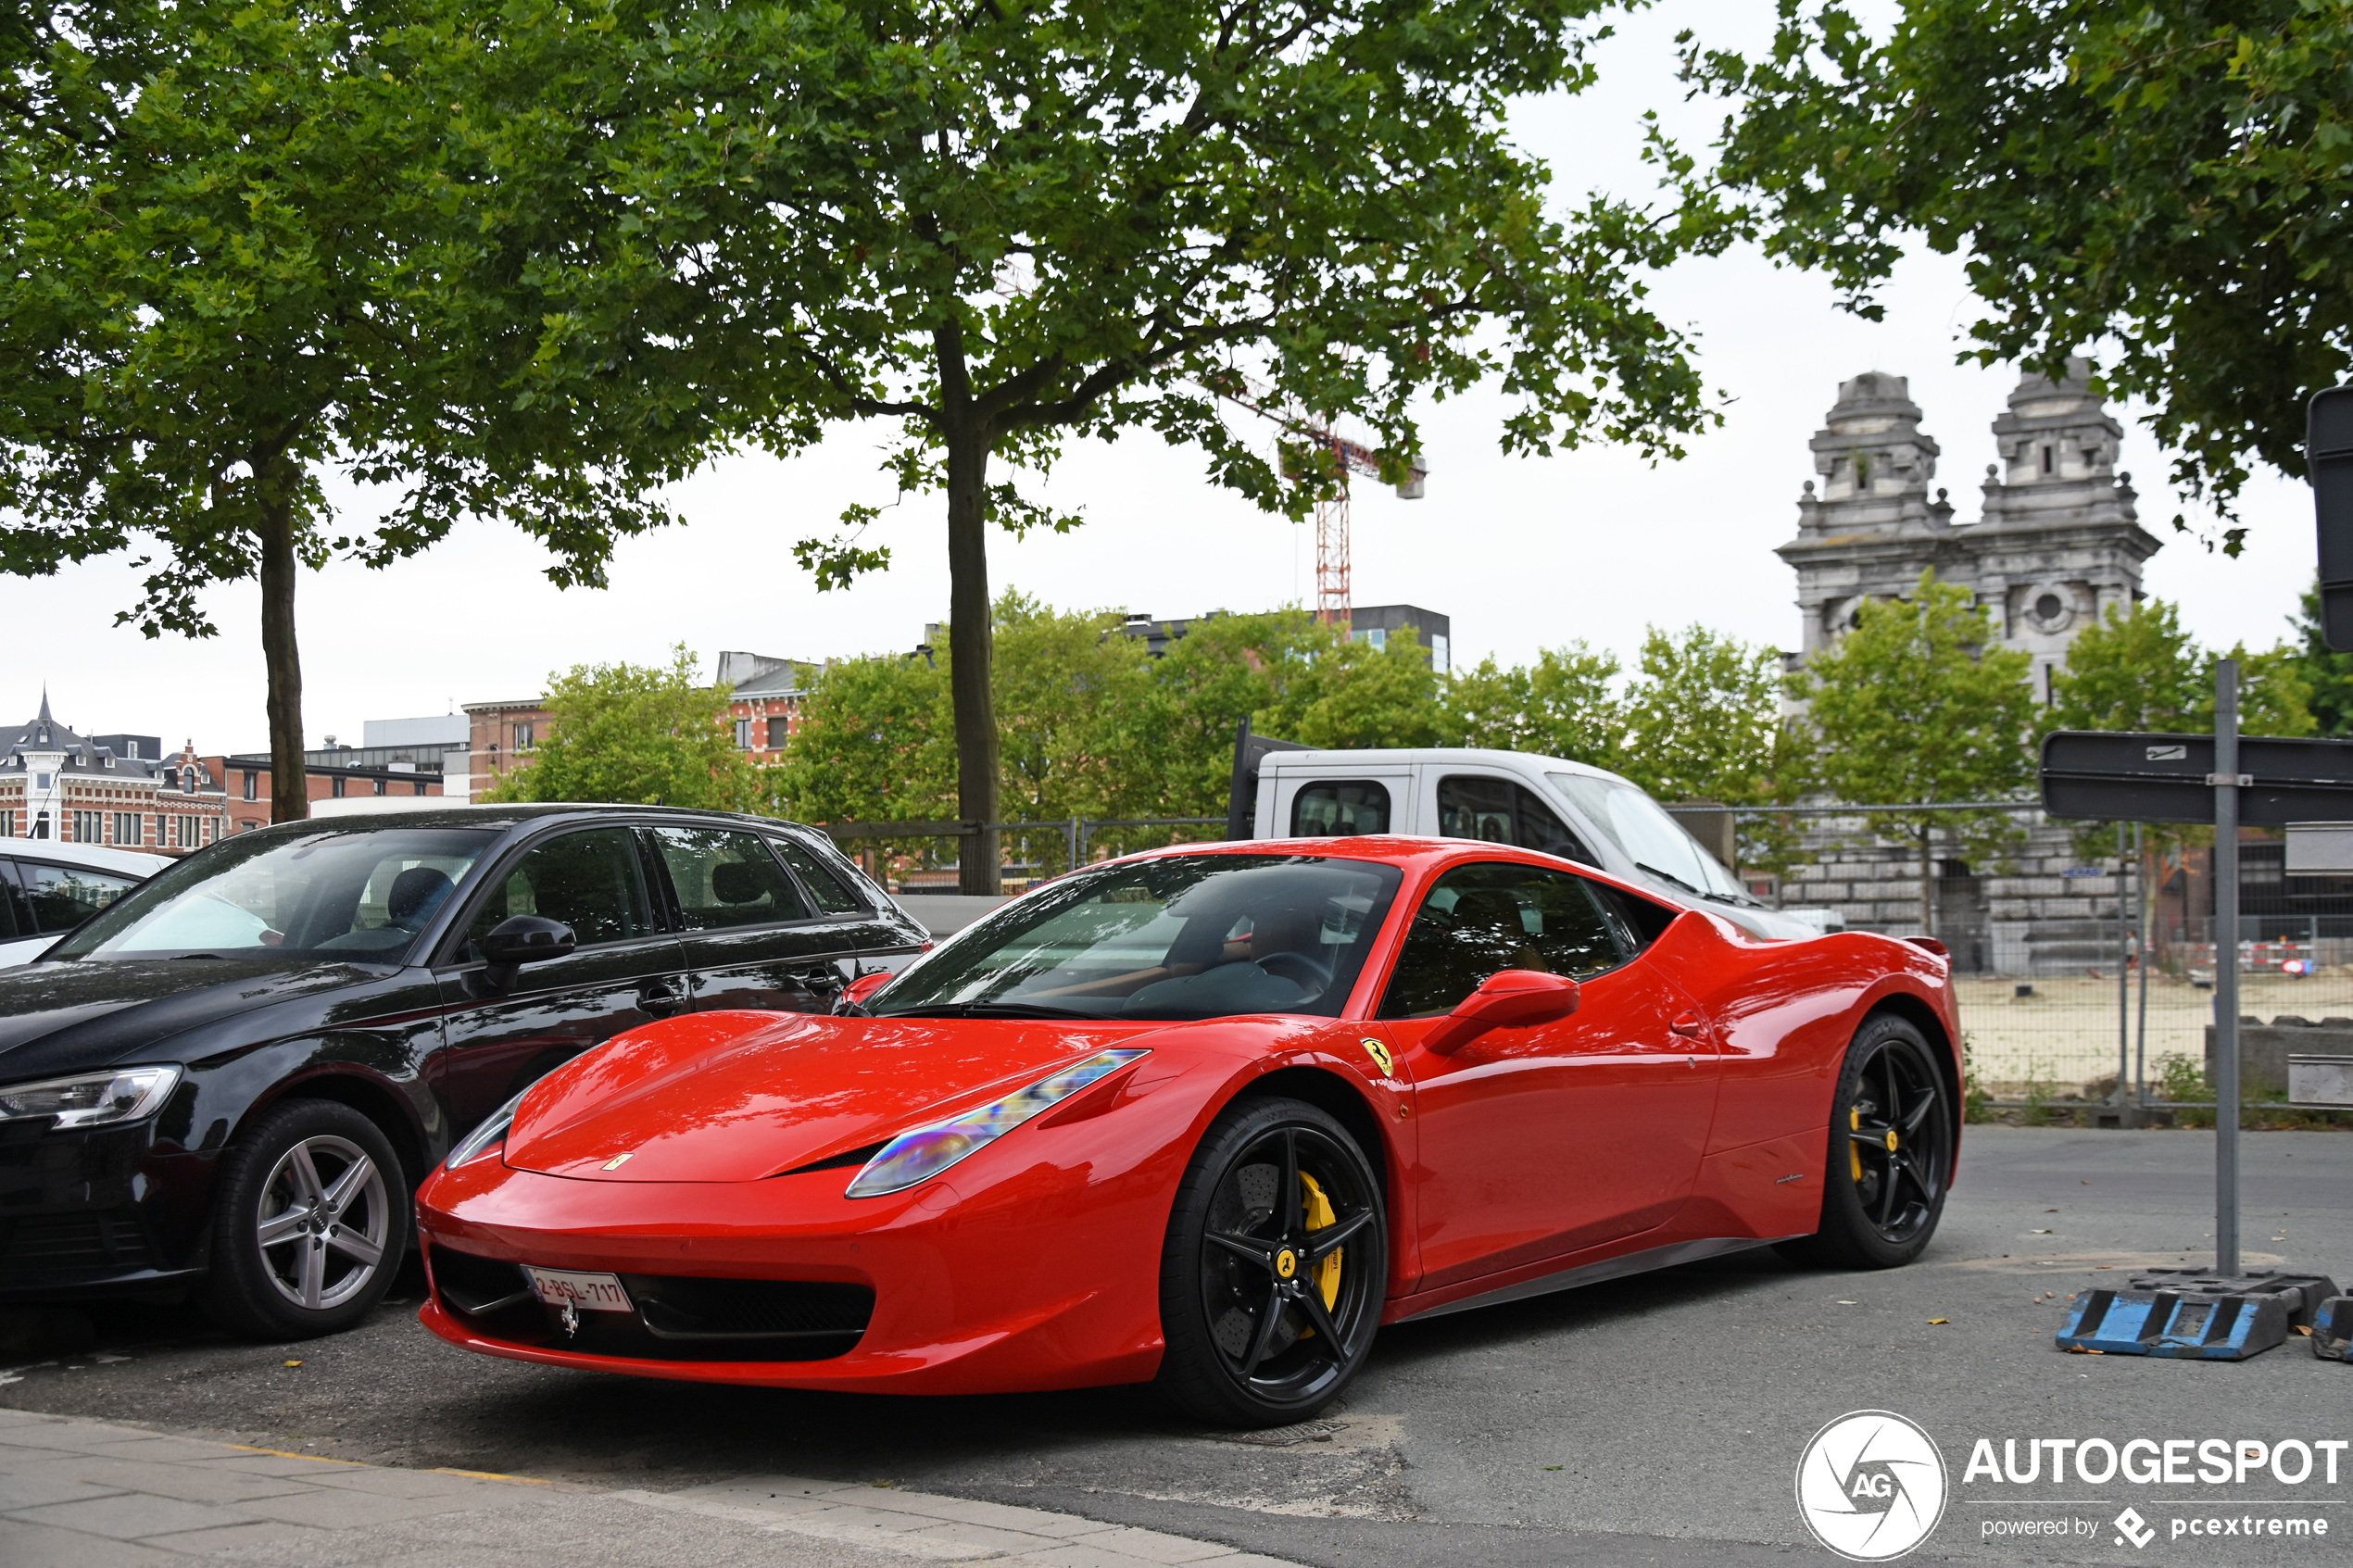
[(1689, 1026)]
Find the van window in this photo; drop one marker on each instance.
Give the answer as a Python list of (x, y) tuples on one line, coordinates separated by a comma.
[(1498, 811), (1339, 808)]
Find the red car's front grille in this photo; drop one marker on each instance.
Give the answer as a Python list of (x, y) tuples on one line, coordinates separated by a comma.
[(679, 1317)]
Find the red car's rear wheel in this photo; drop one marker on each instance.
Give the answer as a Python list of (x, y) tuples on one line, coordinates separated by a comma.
[(1891, 1152), (1276, 1267)]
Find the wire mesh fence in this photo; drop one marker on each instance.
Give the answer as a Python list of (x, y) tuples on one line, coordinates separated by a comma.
[(926, 856), (2084, 954)]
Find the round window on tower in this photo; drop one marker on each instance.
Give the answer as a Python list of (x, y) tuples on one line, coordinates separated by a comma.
[(2050, 608)]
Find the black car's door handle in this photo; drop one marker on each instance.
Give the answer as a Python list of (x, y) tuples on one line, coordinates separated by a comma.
[(661, 997), (822, 978)]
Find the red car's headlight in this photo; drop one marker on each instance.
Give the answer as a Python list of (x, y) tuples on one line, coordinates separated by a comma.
[(922, 1154)]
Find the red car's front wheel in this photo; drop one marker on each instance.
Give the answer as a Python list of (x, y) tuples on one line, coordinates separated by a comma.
[(1276, 1267)]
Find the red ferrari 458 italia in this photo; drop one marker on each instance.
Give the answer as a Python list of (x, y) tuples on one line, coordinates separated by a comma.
[(1209, 1116)]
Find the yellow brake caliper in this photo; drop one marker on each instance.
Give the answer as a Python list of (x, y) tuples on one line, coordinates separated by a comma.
[(1855, 1125), (1319, 1215)]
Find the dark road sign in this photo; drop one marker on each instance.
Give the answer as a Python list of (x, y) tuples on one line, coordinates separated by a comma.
[(2116, 776), (2328, 452)]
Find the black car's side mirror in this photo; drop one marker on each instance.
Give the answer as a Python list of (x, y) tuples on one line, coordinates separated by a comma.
[(522, 939)]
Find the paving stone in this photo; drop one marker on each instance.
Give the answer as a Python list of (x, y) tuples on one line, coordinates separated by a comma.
[(753, 1498), (986, 1536), (190, 1483), (45, 1546), (1151, 1546), (387, 1482), (255, 1463), (147, 1445), (129, 1515), (342, 1509), (32, 1486), (239, 1537), (1032, 1520)]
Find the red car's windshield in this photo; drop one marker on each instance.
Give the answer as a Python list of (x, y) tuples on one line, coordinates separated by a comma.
[(1184, 938)]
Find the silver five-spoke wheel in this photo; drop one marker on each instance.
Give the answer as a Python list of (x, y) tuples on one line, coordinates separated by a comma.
[(323, 1221), (310, 1222)]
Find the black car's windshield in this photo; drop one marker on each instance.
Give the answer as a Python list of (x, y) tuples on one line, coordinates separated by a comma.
[(325, 892), (1186, 938)]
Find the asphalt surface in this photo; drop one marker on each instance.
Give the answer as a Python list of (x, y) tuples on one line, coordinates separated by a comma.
[(1650, 1421)]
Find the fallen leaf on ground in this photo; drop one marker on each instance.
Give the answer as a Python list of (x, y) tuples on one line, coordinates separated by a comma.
[(1940, 1320)]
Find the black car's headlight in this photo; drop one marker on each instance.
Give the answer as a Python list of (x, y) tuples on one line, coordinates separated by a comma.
[(90, 1099)]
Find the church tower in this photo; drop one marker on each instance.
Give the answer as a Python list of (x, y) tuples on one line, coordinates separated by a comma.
[(2057, 544)]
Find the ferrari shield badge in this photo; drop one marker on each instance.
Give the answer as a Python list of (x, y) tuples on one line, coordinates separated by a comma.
[(1379, 1053)]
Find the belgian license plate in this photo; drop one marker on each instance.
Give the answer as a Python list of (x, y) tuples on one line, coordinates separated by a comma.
[(583, 1292)]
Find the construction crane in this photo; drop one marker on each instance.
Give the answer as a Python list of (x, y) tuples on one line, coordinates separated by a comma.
[(1335, 600)]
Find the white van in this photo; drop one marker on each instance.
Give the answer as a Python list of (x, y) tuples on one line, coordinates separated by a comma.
[(1548, 803), (48, 886)]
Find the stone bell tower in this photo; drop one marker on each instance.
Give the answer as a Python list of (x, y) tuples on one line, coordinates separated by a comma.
[(2059, 541)]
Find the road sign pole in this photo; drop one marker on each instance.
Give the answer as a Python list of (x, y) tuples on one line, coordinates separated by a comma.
[(2226, 967)]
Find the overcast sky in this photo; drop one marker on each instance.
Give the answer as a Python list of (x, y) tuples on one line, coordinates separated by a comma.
[(1592, 544)]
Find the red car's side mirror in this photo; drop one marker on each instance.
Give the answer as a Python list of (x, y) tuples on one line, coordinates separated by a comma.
[(1510, 999), (867, 985)]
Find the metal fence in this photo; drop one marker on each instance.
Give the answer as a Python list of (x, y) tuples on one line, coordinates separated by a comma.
[(917, 857), (2082, 974)]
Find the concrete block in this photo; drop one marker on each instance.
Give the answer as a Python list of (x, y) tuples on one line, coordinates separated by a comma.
[(2264, 1050)]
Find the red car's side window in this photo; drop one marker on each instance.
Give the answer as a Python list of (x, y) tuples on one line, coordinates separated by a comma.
[(1486, 917)]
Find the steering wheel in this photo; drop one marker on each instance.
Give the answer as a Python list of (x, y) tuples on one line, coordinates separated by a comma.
[(1299, 969)]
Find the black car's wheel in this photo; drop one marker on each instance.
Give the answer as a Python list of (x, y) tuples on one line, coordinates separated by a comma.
[(1891, 1152), (1274, 1270), (309, 1220)]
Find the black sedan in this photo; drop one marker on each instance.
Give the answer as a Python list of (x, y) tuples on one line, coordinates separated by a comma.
[(229, 1082)]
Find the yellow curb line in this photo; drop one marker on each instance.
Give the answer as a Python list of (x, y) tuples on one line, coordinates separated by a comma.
[(288, 1453), (493, 1475)]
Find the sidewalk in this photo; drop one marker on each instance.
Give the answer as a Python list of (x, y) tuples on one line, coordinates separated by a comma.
[(76, 1494)]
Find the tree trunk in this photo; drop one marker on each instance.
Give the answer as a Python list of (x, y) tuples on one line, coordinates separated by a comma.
[(971, 639), (1928, 888), (289, 780)]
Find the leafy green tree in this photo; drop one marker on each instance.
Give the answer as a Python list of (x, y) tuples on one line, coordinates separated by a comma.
[(2172, 178), (1704, 721), (639, 735), (1921, 702), (1225, 669), (1564, 705), (1071, 701), (1356, 695), (1005, 226), (2328, 674), (874, 744), (2137, 669), (250, 239)]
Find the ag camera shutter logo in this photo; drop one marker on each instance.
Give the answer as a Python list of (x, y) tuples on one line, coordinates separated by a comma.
[(1872, 1485)]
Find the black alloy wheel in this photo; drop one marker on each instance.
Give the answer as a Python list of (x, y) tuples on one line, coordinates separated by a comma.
[(1276, 1267), (1892, 1130)]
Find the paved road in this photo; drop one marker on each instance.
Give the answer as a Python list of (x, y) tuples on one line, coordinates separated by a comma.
[(1648, 1421)]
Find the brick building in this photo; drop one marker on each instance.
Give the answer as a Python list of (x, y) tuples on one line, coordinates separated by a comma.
[(765, 710), (333, 772), (106, 790)]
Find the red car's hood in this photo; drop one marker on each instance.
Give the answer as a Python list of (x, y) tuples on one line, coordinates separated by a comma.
[(734, 1096)]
